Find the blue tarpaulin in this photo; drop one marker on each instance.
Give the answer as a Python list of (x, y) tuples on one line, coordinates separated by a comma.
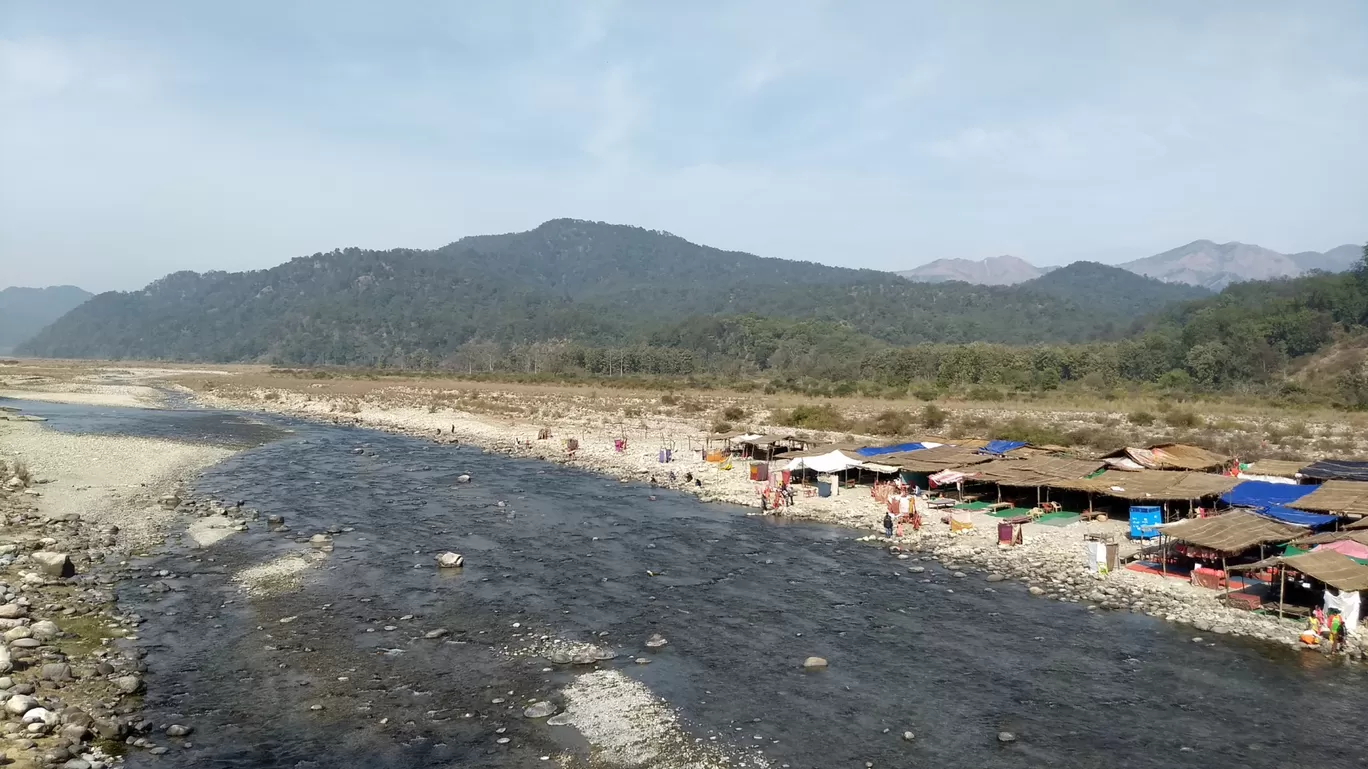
[(1260, 494), (1269, 498), (1298, 517), (874, 451), (1001, 447)]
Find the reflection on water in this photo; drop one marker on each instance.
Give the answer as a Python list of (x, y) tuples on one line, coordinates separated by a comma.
[(352, 681)]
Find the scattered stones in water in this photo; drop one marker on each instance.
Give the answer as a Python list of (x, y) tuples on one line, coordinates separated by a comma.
[(996, 578), (656, 641), (178, 730), (440, 632), (916, 569), (541, 709)]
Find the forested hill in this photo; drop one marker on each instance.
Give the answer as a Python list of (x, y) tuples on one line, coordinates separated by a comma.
[(24, 311), (1124, 291), (584, 282)]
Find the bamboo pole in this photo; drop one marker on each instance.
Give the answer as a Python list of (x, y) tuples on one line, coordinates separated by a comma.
[(1226, 574), (1282, 587)]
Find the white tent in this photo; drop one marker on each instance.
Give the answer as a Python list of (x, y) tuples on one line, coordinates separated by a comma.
[(833, 462)]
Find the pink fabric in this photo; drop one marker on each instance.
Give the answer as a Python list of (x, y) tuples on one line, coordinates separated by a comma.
[(1347, 547)]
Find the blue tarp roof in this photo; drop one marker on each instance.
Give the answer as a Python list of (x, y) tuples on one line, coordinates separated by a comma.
[(1268, 498), (1298, 517), (1259, 494), (874, 451), (1001, 447)]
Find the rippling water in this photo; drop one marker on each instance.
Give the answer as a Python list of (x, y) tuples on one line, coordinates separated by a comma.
[(742, 600)]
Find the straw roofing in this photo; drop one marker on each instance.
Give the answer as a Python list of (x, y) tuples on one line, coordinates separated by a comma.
[(1034, 471), (1232, 532), (1278, 468), (936, 459), (1360, 537), (1338, 497), (1336, 570), (1152, 484), (1173, 456)]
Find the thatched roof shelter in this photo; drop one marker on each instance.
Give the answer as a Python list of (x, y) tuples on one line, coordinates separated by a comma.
[(1232, 532), (1151, 485), (1336, 570), (1040, 470), (936, 459), (1169, 456), (1277, 468), (1337, 497)]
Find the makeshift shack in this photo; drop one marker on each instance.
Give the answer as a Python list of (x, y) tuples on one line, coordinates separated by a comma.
[(918, 466), (1342, 579), (1167, 488), (1033, 472), (770, 446), (1272, 470), (1335, 498), (1238, 536), (1335, 470), (1167, 456)]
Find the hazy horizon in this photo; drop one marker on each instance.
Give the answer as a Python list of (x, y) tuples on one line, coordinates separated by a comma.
[(149, 137)]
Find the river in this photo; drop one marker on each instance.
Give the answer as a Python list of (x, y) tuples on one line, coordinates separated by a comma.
[(742, 600)]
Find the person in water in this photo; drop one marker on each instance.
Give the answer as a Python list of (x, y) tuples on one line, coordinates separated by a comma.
[(654, 483), (888, 525)]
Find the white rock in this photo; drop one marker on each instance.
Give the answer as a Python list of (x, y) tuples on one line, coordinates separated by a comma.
[(20, 704), (450, 560)]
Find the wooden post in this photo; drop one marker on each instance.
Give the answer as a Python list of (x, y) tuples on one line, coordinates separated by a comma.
[(1226, 573), (1163, 553), (1282, 587)]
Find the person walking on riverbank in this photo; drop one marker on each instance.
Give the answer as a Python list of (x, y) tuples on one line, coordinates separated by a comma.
[(888, 525)]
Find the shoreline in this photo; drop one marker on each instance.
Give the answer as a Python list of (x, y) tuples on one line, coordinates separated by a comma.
[(74, 507)]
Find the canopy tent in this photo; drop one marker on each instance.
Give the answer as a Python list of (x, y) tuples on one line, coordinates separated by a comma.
[(832, 462), (1336, 470), (1001, 447), (897, 448), (1338, 571), (1340, 497), (1232, 532)]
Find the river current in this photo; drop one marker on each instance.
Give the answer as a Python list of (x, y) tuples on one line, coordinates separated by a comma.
[(349, 680)]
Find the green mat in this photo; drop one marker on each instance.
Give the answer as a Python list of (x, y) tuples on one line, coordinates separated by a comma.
[(1058, 519), (971, 505), (1011, 512)]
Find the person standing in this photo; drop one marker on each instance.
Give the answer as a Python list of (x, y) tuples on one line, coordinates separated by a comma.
[(888, 525)]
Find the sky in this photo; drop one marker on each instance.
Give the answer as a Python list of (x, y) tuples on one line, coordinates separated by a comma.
[(140, 138)]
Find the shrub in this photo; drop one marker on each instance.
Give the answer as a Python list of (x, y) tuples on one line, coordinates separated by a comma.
[(1030, 431), (990, 394), (734, 413), (890, 423), (721, 426), (669, 399), (813, 417), (271, 396), (933, 416), (1142, 418), (925, 393), (1183, 419)]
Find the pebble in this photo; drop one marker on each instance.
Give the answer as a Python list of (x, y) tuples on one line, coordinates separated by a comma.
[(814, 663), (1006, 737)]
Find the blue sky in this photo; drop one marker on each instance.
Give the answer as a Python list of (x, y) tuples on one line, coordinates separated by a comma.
[(140, 138)]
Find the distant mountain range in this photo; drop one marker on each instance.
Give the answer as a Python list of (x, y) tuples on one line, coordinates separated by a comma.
[(993, 271), (1217, 265), (1201, 263), (591, 284), (25, 311)]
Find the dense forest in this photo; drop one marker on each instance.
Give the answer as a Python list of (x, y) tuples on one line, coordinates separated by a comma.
[(25, 311), (580, 282), (584, 298)]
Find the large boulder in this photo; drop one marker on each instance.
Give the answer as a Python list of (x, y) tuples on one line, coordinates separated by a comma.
[(53, 564), (450, 560), (12, 611), (6, 661), (20, 704)]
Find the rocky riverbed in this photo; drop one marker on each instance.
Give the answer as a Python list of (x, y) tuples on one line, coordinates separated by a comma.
[(1052, 562)]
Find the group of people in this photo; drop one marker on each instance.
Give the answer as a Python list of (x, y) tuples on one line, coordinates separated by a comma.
[(1327, 625), (783, 497), (904, 507), (689, 480)]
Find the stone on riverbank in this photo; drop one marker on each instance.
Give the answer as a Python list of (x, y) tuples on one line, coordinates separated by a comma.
[(53, 564)]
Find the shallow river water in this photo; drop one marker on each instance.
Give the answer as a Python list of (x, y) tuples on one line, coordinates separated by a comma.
[(742, 600)]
